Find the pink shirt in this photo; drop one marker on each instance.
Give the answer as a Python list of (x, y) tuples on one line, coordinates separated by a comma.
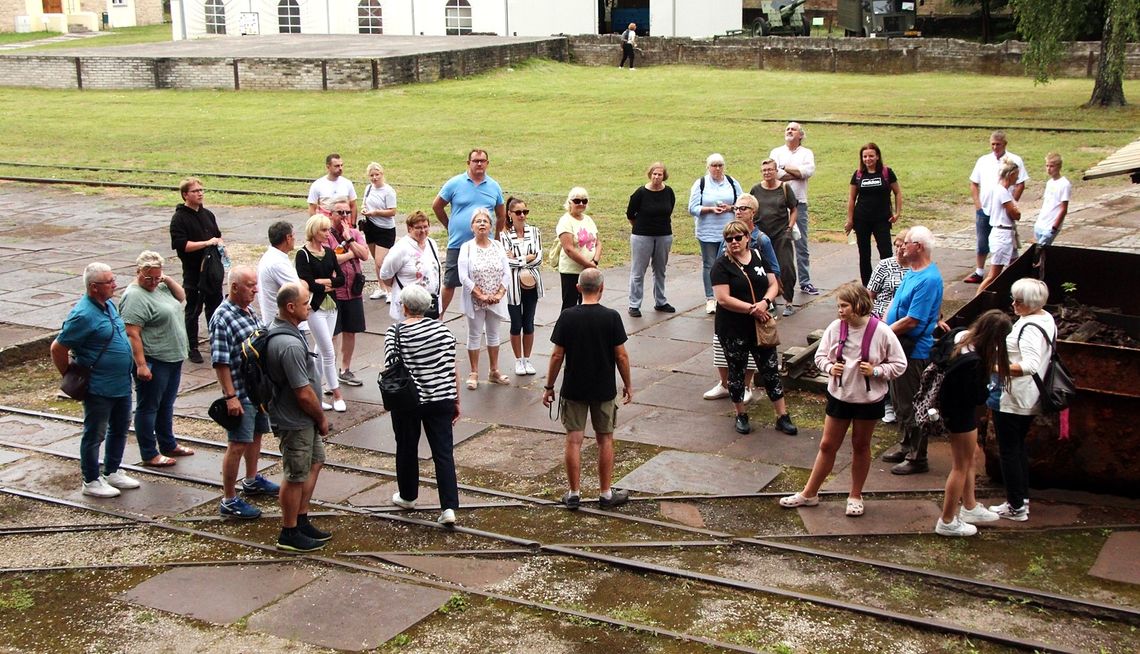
[(886, 354)]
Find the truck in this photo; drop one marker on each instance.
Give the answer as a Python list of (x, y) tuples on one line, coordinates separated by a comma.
[(878, 18)]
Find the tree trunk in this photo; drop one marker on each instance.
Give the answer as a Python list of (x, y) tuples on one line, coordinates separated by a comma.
[(987, 22), (1108, 91)]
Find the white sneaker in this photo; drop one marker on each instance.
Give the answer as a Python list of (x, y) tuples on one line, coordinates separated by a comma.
[(710, 306), (447, 517), (747, 395), (120, 480), (955, 528), (325, 406), (529, 368), (402, 503), (377, 294), (716, 392), (1004, 510), (520, 367), (387, 298), (99, 488), (976, 515), (889, 414), (339, 406)]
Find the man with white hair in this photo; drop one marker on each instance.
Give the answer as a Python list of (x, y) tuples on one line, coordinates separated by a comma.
[(913, 315), (795, 164)]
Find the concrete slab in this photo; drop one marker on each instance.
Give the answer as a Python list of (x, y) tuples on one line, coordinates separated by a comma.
[(690, 399), (1119, 559), (427, 499), (686, 472), (516, 452), (682, 328), (38, 297), (684, 513), (36, 431), (881, 479), (472, 573), (767, 444), (680, 429), (349, 611), (649, 352), (221, 594), (377, 435), (1042, 514), (205, 464), (336, 486), (881, 517), (7, 457)]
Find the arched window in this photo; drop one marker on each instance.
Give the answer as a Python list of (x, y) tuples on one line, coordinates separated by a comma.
[(215, 17), (288, 17), (370, 17), (457, 17)]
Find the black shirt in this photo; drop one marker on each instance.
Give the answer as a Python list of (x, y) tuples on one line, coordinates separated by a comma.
[(589, 333), (730, 324), (872, 195), (651, 211), (189, 225)]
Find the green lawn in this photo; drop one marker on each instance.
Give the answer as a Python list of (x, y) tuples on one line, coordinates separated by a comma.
[(550, 126), (14, 37), (121, 36)]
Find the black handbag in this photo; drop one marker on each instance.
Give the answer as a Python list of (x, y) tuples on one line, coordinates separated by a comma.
[(213, 272), (1057, 388), (397, 386), (77, 377)]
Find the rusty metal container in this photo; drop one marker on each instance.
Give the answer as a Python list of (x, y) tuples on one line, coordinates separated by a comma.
[(1102, 454)]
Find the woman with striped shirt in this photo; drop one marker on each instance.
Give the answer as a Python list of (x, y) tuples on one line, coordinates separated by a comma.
[(524, 254), (428, 351)]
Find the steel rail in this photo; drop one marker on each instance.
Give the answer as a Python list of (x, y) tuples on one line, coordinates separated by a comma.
[(59, 529), (153, 187), (161, 564), (512, 551)]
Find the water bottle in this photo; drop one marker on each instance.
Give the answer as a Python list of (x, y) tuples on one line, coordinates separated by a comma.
[(225, 257), (933, 414), (796, 235)]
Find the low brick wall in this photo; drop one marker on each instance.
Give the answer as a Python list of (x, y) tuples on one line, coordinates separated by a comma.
[(358, 74)]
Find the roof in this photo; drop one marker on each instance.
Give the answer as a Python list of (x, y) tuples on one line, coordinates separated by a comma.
[(1124, 161)]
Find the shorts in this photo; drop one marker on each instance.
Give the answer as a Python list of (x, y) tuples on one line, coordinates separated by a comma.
[(1045, 236), (720, 362), (603, 415), (1002, 251), (300, 450), (253, 421), (982, 230), (384, 237), (451, 269), (841, 410), (349, 316)]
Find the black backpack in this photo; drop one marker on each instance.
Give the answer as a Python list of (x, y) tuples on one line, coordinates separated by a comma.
[(253, 369), (928, 398), (731, 182)]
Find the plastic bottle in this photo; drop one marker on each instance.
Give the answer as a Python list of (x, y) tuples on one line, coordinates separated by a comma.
[(225, 257)]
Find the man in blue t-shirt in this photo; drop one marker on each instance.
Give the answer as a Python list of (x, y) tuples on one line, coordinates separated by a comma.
[(466, 192), (913, 316)]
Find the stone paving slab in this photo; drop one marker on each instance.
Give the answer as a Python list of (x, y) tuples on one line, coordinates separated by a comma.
[(427, 500), (679, 429), (472, 573), (651, 352), (881, 479), (767, 444), (1041, 514), (667, 394), (38, 297), (377, 435), (1119, 559), (335, 486), (7, 457), (517, 452), (682, 328), (221, 594), (35, 431), (881, 517), (349, 611), (687, 472), (14, 280), (684, 513)]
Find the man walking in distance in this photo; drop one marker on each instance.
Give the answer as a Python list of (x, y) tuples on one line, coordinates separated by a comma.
[(628, 45), (913, 315), (795, 164), (232, 323), (333, 185), (348, 244), (275, 269), (985, 175), (193, 228), (590, 339), (466, 192), (95, 335), (298, 420)]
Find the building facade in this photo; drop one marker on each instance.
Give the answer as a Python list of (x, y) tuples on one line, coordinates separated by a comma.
[(68, 15)]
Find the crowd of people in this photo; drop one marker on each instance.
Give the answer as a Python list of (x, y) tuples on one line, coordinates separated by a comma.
[(754, 252)]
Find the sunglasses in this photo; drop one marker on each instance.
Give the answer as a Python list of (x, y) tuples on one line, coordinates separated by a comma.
[(581, 200), (343, 213), (733, 239), (521, 212)]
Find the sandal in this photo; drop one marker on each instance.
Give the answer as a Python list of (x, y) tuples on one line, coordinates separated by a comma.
[(854, 507), (792, 501), (472, 381), (180, 450), (497, 377), (160, 461)]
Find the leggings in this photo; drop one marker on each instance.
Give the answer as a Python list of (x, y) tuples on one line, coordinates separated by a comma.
[(322, 322), (570, 295), (522, 315), (736, 351), (484, 320)]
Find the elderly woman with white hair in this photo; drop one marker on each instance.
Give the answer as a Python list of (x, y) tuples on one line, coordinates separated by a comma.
[(485, 273), (427, 349), (1030, 346), (711, 202), (581, 248), (153, 314)]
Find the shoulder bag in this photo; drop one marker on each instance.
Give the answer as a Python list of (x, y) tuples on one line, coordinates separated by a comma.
[(1057, 387), (766, 333), (397, 386), (77, 377)]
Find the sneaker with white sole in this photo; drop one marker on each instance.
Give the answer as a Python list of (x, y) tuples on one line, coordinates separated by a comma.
[(716, 392), (1004, 510), (99, 488), (789, 309), (346, 377), (120, 480), (447, 518), (889, 414), (710, 306), (377, 294), (325, 406), (955, 528), (520, 367), (236, 507), (339, 406), (976, 515), (529, 367), (747, 396), (402, 503)]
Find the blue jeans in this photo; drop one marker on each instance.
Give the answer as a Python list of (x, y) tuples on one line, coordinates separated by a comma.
[(982, 230), (803, 257), (104, 418), (642, 250), (1045, 236), (154, 413), (708, 258)]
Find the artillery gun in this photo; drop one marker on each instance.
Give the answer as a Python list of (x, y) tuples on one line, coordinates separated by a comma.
[(782, 18)]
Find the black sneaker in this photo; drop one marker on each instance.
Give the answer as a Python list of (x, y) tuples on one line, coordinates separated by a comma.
[(310, 530), (665, 308), (195, 356), (292, 540), (742, 424), (634, 312), (784, 423), (617, 498), (572, 502)]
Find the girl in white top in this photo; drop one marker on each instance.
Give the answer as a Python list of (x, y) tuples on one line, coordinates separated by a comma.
[(414, 260), (379, 226), (1004, 214), (485, 274)]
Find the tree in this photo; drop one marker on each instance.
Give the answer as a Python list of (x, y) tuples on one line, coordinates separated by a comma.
[(1047, 25), (986, 9)]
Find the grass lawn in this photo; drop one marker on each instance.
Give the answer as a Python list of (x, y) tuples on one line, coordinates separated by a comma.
[(120, 36), (14, 37), (551, 126)]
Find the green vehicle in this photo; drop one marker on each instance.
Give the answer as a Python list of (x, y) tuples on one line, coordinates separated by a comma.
[(782, 18), (878, 18)]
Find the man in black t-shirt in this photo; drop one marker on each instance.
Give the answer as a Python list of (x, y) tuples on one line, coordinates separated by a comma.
[(590, 338)]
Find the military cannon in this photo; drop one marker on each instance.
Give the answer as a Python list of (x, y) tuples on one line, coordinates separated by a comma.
[(782, 18)]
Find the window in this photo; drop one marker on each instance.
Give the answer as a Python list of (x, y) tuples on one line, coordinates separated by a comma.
[(370, 17), (457, 17), (288, 17), (215, 17), (118, 3)]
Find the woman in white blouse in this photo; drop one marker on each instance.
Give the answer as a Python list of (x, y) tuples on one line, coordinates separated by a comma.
[(413, 260), (484, 273)]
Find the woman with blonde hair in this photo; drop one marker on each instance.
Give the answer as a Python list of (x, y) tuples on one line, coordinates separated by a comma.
[(581, 248), (318, 269), (378, 223), (997, 200)]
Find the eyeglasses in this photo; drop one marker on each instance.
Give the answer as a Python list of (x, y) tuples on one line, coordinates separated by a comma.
[(109, 281), (733, 239), (716, 165), (521, 212), (581, 200), (152, 278), (343, 213), (743, 208), (477, 161)]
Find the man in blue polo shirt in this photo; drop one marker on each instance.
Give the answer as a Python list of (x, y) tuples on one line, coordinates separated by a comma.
[(466, 192), (95, 335), (913, 316)]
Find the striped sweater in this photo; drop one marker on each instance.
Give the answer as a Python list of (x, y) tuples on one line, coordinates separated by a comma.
[(428, 350)]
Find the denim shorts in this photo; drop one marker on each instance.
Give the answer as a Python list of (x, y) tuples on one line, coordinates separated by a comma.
[(252, 422), (982, 230)]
